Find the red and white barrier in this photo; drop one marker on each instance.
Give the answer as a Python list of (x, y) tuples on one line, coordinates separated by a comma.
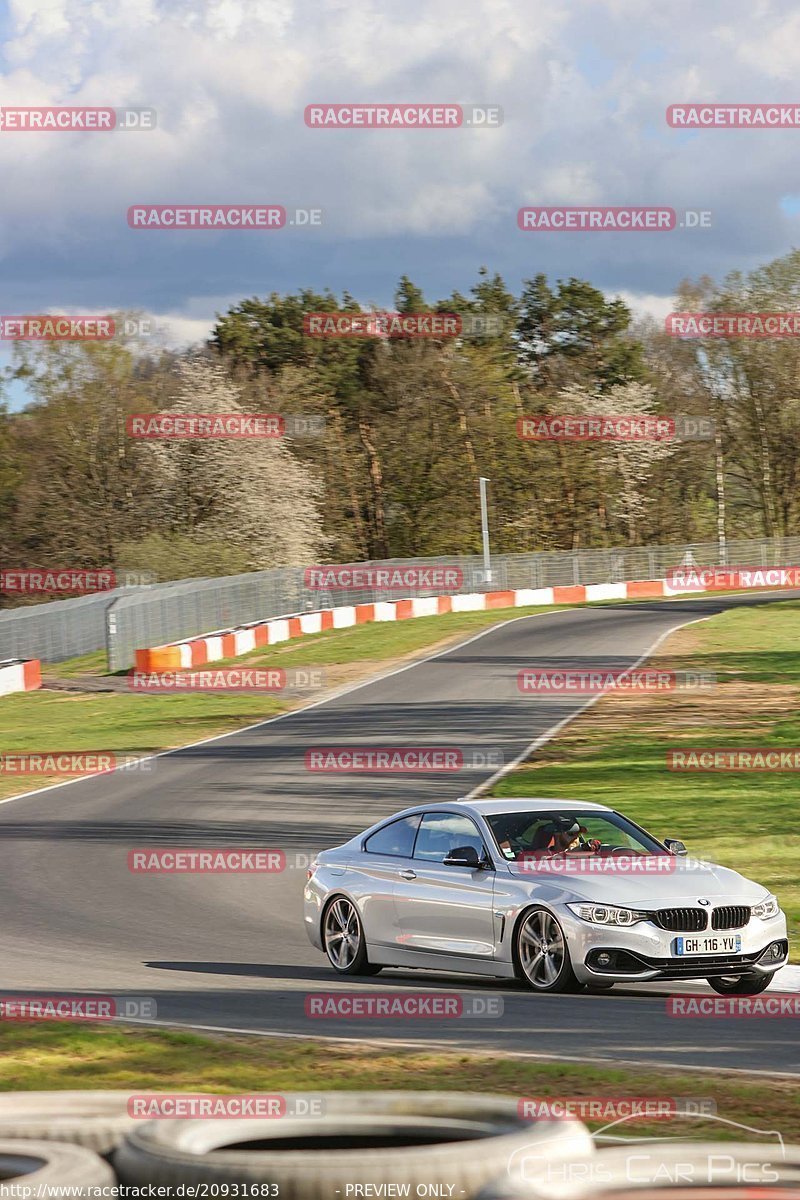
[(230, 643), (18, 676)]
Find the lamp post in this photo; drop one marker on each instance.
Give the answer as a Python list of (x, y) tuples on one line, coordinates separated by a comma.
[(487, 561)]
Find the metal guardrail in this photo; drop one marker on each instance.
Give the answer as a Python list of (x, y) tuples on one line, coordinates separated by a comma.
[(122, 620)]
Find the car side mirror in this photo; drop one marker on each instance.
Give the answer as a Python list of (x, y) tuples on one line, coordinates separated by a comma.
[(675, 847), (463, 856)]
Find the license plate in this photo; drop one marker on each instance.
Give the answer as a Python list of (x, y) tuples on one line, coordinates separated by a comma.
[(721, 944)]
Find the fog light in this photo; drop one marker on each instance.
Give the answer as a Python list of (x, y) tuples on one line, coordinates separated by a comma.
[(604, 960), (775, 951)]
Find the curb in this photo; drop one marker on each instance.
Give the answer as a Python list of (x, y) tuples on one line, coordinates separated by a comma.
[(17, 675)]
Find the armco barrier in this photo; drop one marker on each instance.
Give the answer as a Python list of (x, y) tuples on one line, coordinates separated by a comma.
[(230, 643), (19, 676)]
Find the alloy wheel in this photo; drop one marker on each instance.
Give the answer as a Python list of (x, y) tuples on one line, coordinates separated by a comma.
[(542, 949), (342, 934)]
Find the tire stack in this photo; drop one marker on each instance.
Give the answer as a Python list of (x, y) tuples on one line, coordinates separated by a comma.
[(413, 1144)]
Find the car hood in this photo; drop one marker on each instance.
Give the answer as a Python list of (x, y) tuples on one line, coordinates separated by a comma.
[(687, 881)]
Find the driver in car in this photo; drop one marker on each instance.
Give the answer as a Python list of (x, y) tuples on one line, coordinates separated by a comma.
[(559, 836)]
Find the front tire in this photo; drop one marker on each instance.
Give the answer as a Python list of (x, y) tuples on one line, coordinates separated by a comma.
[(741, 985), (343, 939), (541, 955)]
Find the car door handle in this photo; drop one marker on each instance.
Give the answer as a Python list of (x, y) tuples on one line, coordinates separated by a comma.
[(408, 874)]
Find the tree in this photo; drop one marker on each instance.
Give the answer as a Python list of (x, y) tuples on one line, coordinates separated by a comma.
[(252, 493)]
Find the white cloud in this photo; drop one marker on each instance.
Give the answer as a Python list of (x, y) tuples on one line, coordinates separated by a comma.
[(584, 85)]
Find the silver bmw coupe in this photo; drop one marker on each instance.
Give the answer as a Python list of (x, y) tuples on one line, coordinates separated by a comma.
[(559, 894)]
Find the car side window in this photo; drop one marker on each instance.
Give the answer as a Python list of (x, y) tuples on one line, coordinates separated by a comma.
[(439, 833), (396, 838)]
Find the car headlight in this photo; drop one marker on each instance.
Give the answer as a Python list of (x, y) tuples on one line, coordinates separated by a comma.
[(605, 914), (767, 909)]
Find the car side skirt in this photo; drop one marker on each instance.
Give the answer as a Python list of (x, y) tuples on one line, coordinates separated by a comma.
[(392, 956)]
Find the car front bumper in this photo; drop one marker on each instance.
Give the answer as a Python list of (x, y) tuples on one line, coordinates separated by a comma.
[(644, 952)]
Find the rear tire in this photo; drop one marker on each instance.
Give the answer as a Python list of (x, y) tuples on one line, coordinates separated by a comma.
[(741, 985), (344, 940), (541, 954)]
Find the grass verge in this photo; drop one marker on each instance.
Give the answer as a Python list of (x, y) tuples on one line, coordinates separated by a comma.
[(125, 722), (62, 1056)]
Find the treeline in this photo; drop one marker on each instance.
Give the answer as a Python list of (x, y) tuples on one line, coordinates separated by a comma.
[(410, 424)]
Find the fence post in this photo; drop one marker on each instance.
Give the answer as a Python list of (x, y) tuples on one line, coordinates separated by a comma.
[(111, 632)]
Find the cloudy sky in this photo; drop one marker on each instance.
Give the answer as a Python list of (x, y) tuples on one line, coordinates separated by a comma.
[(584, 85)]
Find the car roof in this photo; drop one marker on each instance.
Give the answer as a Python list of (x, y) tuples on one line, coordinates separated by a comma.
[(511, 804), (491, 806)]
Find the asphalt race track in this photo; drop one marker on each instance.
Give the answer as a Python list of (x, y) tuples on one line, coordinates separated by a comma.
[(231, 952)]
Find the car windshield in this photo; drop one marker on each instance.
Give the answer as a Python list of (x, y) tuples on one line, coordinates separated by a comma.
[(525, 834)]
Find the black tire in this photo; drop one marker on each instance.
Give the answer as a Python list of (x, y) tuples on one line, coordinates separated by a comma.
[(452, 1139), (741, 985), (547, 970), (344, 940)]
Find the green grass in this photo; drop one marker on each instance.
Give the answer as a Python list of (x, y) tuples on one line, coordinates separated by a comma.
[(616, 753), (127, 723), (63, 1056)]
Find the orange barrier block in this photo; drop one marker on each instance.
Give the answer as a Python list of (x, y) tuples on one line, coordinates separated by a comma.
[(199, 652), (645, 588), (500, 599), (32, 674), (569, 595), (159, 658), (403, 609)]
